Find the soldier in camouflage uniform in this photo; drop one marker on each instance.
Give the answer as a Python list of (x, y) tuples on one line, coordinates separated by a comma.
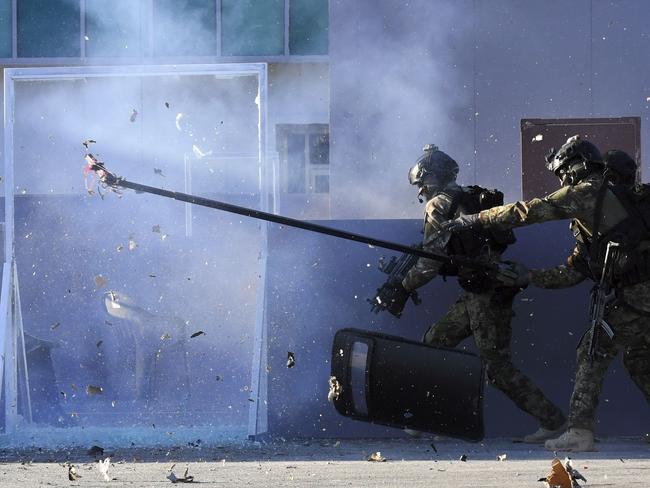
[(604, 208), (484, 311)]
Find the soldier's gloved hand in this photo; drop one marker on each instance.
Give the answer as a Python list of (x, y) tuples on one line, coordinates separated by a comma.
[(513, 274), (393, 297), (463, 222)]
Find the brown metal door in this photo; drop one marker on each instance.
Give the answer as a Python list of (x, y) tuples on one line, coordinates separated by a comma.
[(540, 135)]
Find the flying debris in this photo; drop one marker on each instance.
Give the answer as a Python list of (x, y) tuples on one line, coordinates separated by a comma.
[(200, 154), (179, 118), (156, 228), (502, 457), (463, 458), (100, 281), (88, 142), (291, 359), (538, 137), (158, 171), (376, 457), (335, 389), (132, 243), (55, 326), (134, 115), (167, 104), (197, 333), (103, 466), (165, 336), (94, 390), (99, 343)]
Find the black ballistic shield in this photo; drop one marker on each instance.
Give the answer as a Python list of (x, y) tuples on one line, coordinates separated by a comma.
[(401, 383)]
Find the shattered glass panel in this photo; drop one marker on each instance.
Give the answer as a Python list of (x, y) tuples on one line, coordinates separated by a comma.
[(5, 28), (112, 28), (194, 36), (308, 26), (136, 328), (252, 27), (48, 28)]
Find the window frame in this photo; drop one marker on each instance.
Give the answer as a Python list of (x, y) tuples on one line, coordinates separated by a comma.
[(147, 42)]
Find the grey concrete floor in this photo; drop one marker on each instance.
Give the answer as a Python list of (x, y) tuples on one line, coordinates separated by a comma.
[(318, 463)]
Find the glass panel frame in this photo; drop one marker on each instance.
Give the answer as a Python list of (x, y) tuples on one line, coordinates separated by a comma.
[(9, 316)]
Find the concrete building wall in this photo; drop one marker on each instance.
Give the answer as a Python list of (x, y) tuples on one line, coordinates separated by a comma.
[(462, 74)]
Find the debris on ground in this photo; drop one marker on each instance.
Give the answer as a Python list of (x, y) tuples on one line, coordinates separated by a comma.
[(376, 457), (165, 336), (99, 343), (197, 333), (502, 457), (562, 475), (103, 468), (335, 389), (175, 479), (291, 359), (463, 458), (72, 473)]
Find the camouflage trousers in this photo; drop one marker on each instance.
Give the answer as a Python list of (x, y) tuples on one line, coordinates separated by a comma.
[(487, 317), (631, 328)]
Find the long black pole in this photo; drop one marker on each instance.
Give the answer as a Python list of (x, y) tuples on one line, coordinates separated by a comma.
[(279, 219)]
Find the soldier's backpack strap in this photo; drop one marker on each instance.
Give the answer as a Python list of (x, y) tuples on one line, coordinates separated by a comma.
[(598, 216), (456, 197)]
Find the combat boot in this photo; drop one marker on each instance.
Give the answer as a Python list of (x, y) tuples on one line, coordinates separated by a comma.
[(572, 440), (543, 434)]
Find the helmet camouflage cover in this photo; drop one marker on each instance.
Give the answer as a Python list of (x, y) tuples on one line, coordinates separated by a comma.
[(574, 151), (433, 168)]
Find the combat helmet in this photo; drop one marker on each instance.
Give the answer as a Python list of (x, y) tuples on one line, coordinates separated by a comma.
[(433, 170), (620, 167), (574, 160)]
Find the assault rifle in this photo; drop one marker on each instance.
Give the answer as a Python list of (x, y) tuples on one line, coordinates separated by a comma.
[(396, 269), (601, 296)]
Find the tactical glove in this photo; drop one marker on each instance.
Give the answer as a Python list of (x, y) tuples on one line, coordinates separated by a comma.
[(461, 223), (513, 274), (392, 297)]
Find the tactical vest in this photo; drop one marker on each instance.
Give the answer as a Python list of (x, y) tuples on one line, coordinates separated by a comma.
[(627, 213), (474, 243)]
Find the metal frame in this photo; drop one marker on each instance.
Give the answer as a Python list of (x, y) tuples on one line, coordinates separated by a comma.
[(11, 333), (146, 34)]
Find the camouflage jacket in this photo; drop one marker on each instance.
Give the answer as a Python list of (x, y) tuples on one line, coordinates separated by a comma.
[(576, 202), (437, 211), (562, 276)]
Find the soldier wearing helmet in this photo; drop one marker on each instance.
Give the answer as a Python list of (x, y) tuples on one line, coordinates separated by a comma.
[(606, 206), (484, 310)]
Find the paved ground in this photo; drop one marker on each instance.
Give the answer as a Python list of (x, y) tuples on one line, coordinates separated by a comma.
[(410, 463)]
